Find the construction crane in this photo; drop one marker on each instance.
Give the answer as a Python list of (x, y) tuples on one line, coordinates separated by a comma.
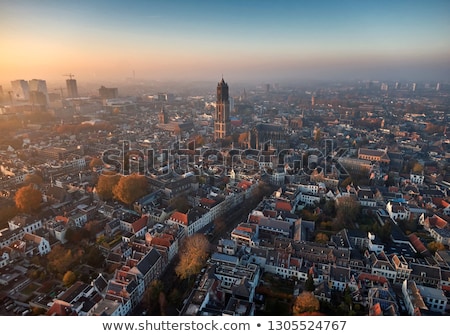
[(60, 89), (70, 75)]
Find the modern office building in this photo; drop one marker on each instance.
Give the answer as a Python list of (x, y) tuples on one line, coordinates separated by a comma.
[(108, 93), (21, 90), (72, 90), (38, 90)]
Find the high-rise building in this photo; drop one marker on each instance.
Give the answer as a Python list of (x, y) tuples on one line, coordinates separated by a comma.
[(38, 98), (20, 89), (222, 122), (39, 85), (108, 93), (72, 90)]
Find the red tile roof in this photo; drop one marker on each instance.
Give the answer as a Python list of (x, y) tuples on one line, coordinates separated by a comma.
[(270, 213), (440, 202), (180, 217), (60, 308), (61, 219), (416, 243), (139, 224), (244, 184), (372, 277), (283, 206), (208, 202), (160, 241), (244, 228), (254, 219), (438, 222)]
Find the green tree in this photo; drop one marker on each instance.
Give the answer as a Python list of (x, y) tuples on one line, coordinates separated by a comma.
[(105, 186), (193, 255), (130, 188), (305, 302), (69, 278), (28, 199)]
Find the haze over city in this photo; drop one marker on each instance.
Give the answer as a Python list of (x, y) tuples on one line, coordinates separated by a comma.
[(201, 40), (225, 158)]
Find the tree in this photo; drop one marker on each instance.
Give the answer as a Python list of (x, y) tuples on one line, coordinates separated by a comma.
[(180, 203), (162, 303), (33, 179), (6, 213), (321, 238), (346, 182), (309, 283), (435, 246), (417, 168), (329, 208), (152, 295), (105, 186), (385, 232), (75, 235), (94, 257), (92, 228), (193, 255), (60, 259), (95, 162), (130, 188), (305, 302), (69, 278), (220, 224), (347, 209), (28, 199)]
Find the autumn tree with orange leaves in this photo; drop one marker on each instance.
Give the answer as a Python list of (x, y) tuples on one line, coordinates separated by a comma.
[(193, 255), (28, 199), (130, 188)]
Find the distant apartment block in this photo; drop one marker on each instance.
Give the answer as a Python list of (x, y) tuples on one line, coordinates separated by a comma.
[(20, 90), (108, 93), (72, 89), (38, 91)]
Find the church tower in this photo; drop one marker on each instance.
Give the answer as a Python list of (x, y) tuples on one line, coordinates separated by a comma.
[(222, 124), (163, 118)]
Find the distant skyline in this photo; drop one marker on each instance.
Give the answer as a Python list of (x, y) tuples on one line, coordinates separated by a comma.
[(243, 40)]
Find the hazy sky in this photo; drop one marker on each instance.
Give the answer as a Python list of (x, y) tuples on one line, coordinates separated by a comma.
[(254, 39)]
